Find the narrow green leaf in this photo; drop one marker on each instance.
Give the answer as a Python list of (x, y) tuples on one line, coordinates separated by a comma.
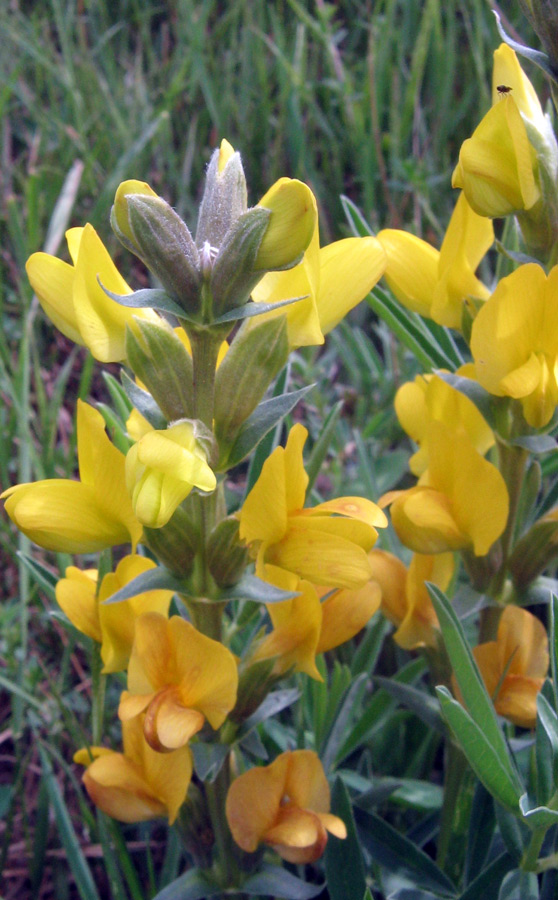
[(273, 704), (208, 759), (251, 309), (320, 449), (546, 745), (272, 438), (538, 816), (265, 417), (147, 298), (481, 830), (337, 731), (553, 646), (159, 579), (487, 883), (481, 755), (519, 885), (472, 687), (344, 864), (193, 885), (398, 854), (41, 574), (143, 402), (76, 860), (422, 704), (355, 218), (536, 56), (515, 833), (250, 587), (277, 882)]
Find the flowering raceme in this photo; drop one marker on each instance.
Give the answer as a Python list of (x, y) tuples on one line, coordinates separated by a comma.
[(326, 544), (331, 281), (138, 784), (73, 299), (285, 805), (180, 678), (435, 283), (79, 516), (514, 342)]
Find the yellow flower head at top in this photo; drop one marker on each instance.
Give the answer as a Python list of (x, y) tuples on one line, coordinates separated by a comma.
[(514, 341), (285, 805), (73, 299), (332, 280), (514, 666), (326, 544), (434, 283), (138, 784), (180, 678), (79, 516)]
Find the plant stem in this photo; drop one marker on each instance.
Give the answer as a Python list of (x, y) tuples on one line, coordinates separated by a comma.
[(512, 467), (205, 349), (531, 855)]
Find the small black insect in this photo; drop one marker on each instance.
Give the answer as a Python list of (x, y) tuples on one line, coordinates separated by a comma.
[(503, 89)]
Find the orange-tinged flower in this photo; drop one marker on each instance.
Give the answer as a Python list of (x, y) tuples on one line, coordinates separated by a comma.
[(461, 500), (435, 283), (332, 280), (405, 599), (514, 341), (326, 544), (180, 678), (285, 805), (138, 784), (73, 299), (514, 666), (79, 516), (429, 398)]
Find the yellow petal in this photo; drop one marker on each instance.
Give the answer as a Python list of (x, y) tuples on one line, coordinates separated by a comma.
[(306, 783), (53, 282), (349, 269), (253, 802), (226, 150), (76, 596), (345, 613), (120, 791), (296, 629), (120, 207), (291, 224), (354, 508), (321, 557), (411, 270)]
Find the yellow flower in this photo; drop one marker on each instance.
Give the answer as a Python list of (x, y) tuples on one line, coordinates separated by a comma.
[(514, 666), (405, 599), (435, 283), (73, 299), (138, 784), (514, 341), (460, 501), (180, 678), (326, 544), (498, 166), (285, 805), (291, 224), (429, 398), (79, 516), (332, 280), (161, 470), (110, 624)]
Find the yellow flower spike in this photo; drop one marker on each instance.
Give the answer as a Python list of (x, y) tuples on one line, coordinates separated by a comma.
[(161, 470), (435, 283), (73, 299), (514, 666), (79, 516), (120, 207), (76, 595), (429, 398), (285, 805), (498, 168), (326, 545), (460, 501), (180, 678), (333, 280), (514, 342), (296, 624), (291, 224), (117, 620), (138, 784)]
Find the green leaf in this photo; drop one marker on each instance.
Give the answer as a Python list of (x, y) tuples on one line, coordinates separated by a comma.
[(344, 864), (487, 883), (553, 646), (355, 218), (147, 298), (519, 885), (336, 733), (398, 854), (74, 855), (208, 759), (481, 755), (481, 829), (159, 579), (271, 439), (319, 450), (472, 687), (536, 56), (277, 882), (538, 816), (251, 309), (273, 704), (265, 417), (514, 831), (535, 443), (143, 402), (546, 745), (42, 575), (250, 587), (193, 885), (422, 704)]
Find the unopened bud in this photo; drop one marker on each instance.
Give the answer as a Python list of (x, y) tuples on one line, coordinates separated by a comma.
[(224, 198), (226, 556)]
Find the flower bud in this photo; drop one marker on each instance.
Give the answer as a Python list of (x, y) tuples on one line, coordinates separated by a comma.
[(226, 556), (161, 470), (175, 544), (224, 198), (160, 360)]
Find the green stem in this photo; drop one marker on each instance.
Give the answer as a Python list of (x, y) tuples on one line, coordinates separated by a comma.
[(205, 349), (531, 855), (512, 467), (224, 856), (459, 783)]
